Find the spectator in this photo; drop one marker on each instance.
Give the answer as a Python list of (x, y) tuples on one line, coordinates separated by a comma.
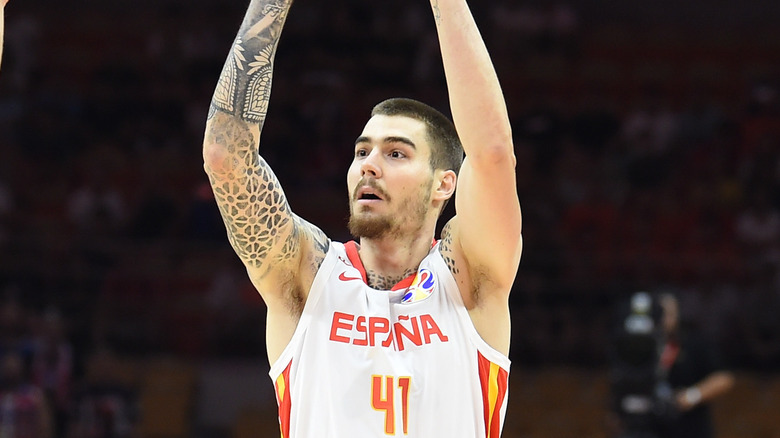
[(24, 411), (104, 406), (694, 369), (52, 368)]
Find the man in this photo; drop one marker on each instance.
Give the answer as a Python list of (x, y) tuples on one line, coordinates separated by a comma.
[(391, 336), (665, 375), (695, 372)]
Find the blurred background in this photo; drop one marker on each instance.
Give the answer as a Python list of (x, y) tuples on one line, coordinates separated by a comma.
[(648, 144)]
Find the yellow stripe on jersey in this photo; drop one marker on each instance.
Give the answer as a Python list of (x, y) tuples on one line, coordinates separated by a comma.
[(492, 393)]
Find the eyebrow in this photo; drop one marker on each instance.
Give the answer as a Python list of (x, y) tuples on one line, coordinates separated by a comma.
[(390, 139)]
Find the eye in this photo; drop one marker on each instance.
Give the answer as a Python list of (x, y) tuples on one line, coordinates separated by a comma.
[(361, 152), (397, 154)]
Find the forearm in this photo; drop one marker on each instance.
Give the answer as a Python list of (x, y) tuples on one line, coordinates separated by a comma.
[(476, 99), (712, 387), (2, 28), (244, 87), (715, 385), (240, 102)]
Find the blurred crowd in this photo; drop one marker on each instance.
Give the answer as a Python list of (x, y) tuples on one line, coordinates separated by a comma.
[(647, 159)]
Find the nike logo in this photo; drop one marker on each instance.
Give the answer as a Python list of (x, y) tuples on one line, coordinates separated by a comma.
[(343, 277)]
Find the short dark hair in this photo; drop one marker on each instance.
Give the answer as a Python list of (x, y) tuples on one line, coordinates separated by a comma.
[(446, 148)]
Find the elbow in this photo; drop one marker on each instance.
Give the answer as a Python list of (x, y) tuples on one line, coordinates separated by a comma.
[(727, 380), (213, 153), (216, 153), (495, 154), (228, 147), (217, 161), (718, 383), (496, 149)]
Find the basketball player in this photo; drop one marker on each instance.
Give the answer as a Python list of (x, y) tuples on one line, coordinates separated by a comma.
[(391, 335)]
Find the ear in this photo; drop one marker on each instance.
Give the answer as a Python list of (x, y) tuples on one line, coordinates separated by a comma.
[(444, 186)]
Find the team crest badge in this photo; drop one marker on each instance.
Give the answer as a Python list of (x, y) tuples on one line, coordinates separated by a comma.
[(421, 287)]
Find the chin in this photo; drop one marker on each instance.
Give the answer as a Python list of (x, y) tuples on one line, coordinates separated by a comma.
[(369, 227)]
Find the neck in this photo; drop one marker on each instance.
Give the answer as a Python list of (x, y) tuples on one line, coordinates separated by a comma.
[(391, 259)]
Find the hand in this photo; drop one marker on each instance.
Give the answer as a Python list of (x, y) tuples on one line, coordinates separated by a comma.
[(687, 399)]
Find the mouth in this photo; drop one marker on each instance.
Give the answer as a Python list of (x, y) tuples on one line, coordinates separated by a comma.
[(369, 197), (368, 193)]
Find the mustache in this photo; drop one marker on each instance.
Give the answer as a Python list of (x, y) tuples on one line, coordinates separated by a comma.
[(371, 183)]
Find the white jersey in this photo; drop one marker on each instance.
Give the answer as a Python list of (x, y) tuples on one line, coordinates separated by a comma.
[(372, 363)]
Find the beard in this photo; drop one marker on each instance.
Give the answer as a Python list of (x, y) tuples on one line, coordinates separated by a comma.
[(370, 227), (411, 211)]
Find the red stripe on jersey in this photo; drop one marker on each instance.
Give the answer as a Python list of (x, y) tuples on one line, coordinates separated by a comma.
[(503, 385), (283, 401), (406, 282), (353, 255), (494, 381)]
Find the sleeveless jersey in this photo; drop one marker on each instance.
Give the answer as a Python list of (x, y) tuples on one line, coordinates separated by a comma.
[(407, 362)]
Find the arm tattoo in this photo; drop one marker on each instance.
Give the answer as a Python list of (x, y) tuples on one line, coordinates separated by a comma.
[(445, 247), (382, 282), (320, 243), (260, 226), (254, 208), (244, 87), (436, 11)]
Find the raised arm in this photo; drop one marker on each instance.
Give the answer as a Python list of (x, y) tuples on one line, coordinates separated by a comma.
[(270, 240), (486, 229), (2, 27)]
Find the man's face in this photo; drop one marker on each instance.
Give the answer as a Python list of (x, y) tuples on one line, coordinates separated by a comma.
[(390, 179)]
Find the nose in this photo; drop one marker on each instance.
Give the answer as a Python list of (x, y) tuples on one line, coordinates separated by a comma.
[(370, 165)]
